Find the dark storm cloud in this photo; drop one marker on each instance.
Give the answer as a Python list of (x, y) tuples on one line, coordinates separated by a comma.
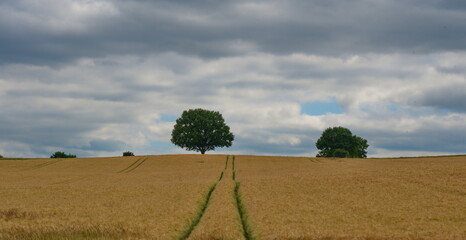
[(56, 33)]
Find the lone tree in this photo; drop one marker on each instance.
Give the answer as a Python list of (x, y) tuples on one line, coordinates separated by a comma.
[(201, 130), (340, 142)]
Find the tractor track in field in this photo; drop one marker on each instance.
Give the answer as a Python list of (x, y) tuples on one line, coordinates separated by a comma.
[(247, 230), (239, 205), (42, 165), (133, 165), (200, 212)]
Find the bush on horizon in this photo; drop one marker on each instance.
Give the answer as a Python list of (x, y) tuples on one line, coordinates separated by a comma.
[(62, 155), (128, 154)]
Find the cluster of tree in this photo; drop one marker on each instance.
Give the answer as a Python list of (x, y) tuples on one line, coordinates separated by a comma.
[(1, 156), (340, 142), (128, 154), (203, 130), (62, 155)]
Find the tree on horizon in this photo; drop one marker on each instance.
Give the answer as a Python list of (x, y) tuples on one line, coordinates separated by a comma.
[(201, 130), (340, 142)]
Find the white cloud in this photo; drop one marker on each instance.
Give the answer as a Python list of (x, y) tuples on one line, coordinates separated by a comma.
[(81, 75), (57, 16), (123, 98)]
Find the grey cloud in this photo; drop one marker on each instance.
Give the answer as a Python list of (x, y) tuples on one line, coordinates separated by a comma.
[(314, 71), (45, 120), (433, 140), (79, 106), (56, 133), (451, 4), (105, 145), (211, 29), (458, 70), (53, 93), (451, 97), (53, 127)]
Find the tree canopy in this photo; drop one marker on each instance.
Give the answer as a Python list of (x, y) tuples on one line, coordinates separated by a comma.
[(201, 130), (340, 142)]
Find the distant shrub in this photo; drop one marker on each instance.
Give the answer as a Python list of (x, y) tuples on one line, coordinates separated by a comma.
[(127, 154), (62, 155), (1, 156), (341, 153)]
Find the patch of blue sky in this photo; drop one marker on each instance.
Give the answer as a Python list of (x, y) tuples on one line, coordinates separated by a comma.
[(321, 107), (168, 118)]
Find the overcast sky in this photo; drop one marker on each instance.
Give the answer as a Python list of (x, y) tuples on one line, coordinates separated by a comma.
[(99, 77)]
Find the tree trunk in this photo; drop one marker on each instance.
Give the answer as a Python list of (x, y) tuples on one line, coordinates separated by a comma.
[(202, 151)]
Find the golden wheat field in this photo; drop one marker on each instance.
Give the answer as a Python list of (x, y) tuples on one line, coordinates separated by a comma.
[(147, 197), (233, 197), (312, 198)]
